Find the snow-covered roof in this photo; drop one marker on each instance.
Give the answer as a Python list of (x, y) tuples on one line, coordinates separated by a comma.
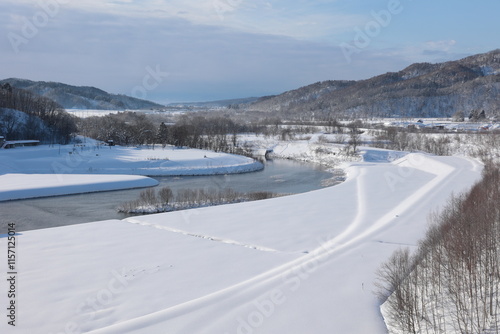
[(22, 141), (14, 143)]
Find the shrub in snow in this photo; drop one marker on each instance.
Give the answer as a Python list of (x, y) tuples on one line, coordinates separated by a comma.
[(165, 194), (165, 200)]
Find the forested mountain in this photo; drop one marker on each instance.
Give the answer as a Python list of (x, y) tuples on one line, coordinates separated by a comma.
[(72, 97), (420, 90), (26, 115)]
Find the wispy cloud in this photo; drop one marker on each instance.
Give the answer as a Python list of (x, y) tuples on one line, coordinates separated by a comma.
[(429, 51), (307, 20), (441, 46)]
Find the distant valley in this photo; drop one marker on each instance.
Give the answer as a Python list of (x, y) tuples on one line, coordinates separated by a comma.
[(420, 90)]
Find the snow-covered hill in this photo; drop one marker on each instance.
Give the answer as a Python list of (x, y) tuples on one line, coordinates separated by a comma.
[(73, 97), (420, 90), (15, 124)]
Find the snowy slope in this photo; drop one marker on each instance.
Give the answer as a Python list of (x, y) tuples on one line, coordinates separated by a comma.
[(297, 264)]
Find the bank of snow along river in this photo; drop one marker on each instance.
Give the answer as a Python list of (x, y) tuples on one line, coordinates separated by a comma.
[(220, 171), (31, 172)]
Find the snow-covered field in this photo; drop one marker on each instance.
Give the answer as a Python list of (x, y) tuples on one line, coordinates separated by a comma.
[(84, 113), (298, 264), (445, 124), (26, 171)]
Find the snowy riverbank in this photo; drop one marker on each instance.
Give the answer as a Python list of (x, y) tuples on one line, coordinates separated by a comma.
[(96, 159), (25, 172), (22, 186)]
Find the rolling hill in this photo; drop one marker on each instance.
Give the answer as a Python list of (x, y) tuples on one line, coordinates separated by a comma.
[(73, 97), (420, 90)]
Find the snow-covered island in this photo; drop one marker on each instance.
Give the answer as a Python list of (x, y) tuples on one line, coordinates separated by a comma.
[(29, 172)]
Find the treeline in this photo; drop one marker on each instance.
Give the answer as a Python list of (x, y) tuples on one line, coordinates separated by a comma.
[(58, 124), (403, 140), (212, 133), (127, 128), (204, 132), (452, 282), (478, 145)]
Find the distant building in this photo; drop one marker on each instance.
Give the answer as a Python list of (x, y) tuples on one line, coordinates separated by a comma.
[(17, 143)]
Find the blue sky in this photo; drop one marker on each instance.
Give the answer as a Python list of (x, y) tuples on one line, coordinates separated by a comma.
[(199, 50)]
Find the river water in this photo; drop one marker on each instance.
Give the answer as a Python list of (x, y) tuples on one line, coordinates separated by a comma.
[(278, 176)]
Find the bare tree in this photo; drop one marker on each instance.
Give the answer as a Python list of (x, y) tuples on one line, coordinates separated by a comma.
[(354, 137), (452, 282)]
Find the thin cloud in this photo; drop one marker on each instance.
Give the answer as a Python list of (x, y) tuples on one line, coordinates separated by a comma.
[(440, 45), (307, 20)]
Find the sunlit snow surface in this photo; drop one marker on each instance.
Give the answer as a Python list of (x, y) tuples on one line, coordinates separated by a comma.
[(298, 264)]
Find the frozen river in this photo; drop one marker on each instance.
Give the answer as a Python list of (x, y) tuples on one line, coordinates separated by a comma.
[(278, 176)]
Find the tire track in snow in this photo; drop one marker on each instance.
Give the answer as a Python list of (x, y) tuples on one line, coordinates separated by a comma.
[(207, 237)]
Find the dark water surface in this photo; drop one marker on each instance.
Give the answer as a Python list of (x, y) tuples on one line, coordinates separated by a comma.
[(278, 176)]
